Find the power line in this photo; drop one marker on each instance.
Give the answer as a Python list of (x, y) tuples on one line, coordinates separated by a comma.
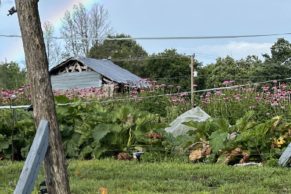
[(146, 58), (10, 36), (199, 37), (238, 79), (130, 59), (166, 37), (207, 76)]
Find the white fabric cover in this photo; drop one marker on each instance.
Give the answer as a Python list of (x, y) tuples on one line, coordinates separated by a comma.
[(195, 114)]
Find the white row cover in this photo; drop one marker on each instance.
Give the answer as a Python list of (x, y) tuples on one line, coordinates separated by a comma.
[(178, 128)]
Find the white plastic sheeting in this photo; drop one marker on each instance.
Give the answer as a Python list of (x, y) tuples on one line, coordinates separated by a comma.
[(178, 128), (285, 159)]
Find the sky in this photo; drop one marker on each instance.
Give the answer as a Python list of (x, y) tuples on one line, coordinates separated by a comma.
[(160, 18)]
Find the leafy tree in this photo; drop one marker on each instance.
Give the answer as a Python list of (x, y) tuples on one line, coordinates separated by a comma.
[(11, 76), (280, 52), (240, 71), (272, 71), (223, 69), (126, 53), (249, 69), (278, 65), (169, 67)]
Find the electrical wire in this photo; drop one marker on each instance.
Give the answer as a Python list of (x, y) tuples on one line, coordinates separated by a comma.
[(131, 59), (200, 37), (166, 37)]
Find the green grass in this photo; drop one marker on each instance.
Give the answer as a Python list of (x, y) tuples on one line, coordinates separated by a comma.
[(164, 177)]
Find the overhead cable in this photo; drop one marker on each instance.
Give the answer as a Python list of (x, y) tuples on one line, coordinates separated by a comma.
[(164, 37)]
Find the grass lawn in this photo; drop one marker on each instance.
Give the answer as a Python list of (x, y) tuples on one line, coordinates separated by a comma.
[(166, 177)]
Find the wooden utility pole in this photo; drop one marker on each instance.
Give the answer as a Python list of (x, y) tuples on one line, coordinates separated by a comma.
[(192, 79), (57, 180)]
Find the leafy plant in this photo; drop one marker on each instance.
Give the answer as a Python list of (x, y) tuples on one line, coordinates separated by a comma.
[(258, 138)]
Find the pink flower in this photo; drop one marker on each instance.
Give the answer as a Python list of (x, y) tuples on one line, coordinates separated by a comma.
[(208, 94), (274, 103), (218, 93), (265, 88), (237, 98), (275, 88), (183, 94), (225, 82)]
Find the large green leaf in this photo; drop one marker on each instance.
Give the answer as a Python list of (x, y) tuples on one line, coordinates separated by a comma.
[(100, 131), (72, 145), (217, 141), (98, 151), (245, 122), (4, 142), (86, 153), (62, 99)]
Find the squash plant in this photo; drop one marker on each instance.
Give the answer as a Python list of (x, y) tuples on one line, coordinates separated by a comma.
[(263, 139), (92, 131), (16, 136)]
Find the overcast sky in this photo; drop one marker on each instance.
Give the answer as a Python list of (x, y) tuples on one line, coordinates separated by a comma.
[(147, 18)]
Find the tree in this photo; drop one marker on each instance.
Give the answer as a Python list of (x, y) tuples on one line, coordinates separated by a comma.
[(224, 69), (240, 71), (169, 67), (280, 51), (53, 50), (249, 69), (278, 65), (82, 29), (11, 76), (99, 25), (41, 93), (126, 53)]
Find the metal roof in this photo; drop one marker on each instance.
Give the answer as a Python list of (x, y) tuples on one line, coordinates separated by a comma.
[(106, 68)]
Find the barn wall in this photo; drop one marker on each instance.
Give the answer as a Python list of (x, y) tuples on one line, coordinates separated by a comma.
[(73, 80)]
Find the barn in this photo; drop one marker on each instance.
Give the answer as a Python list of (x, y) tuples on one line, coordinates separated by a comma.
[(83, 72)]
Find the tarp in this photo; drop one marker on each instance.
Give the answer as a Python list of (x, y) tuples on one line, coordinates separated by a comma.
[(178, 128), (285, 159)]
